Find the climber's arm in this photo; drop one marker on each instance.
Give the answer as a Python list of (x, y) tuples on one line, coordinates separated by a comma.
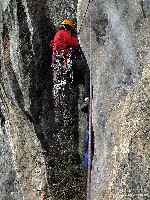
[(74, 43)]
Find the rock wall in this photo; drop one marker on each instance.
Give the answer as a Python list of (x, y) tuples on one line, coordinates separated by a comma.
[(120, 55), (40, 132), (23, 66), (30, 130)]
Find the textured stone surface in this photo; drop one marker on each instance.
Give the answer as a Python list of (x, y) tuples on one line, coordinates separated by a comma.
[(9, 183), (35, 121), (24, 65), (24, 165), (120, 62), (31, 121)]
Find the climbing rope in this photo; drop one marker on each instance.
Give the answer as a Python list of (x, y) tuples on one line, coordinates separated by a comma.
[(83, 18), (90, 120)]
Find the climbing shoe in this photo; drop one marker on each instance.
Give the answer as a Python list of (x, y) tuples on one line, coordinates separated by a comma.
[(84, 107)]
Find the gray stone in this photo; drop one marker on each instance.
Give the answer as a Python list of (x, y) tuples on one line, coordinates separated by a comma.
[(39, 132), (119, 51)]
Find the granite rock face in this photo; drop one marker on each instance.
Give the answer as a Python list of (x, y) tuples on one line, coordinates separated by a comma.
[(120, 60), (114, 37), (34, 129)]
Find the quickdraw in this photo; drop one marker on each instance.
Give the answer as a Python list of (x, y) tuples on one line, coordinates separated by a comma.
[(63, 69)]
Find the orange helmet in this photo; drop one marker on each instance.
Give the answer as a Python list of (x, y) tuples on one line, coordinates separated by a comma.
[(66, 21)]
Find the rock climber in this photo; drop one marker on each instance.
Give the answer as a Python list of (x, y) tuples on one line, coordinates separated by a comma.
[(65, 39)]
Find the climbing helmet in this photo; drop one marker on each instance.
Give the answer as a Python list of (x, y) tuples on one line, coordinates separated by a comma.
[(66, 21)]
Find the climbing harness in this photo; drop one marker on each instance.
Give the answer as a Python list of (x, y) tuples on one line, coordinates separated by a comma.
[(63, 69)]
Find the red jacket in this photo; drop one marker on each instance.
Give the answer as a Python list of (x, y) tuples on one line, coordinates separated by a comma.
[(63, 40)]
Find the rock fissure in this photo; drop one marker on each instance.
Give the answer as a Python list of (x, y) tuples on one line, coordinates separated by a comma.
[(47, 130)]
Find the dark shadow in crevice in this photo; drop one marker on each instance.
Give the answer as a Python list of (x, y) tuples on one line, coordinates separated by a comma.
[(41, 93), (36, 59)]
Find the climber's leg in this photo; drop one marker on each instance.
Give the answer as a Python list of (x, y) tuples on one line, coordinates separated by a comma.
[(81, 69)]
